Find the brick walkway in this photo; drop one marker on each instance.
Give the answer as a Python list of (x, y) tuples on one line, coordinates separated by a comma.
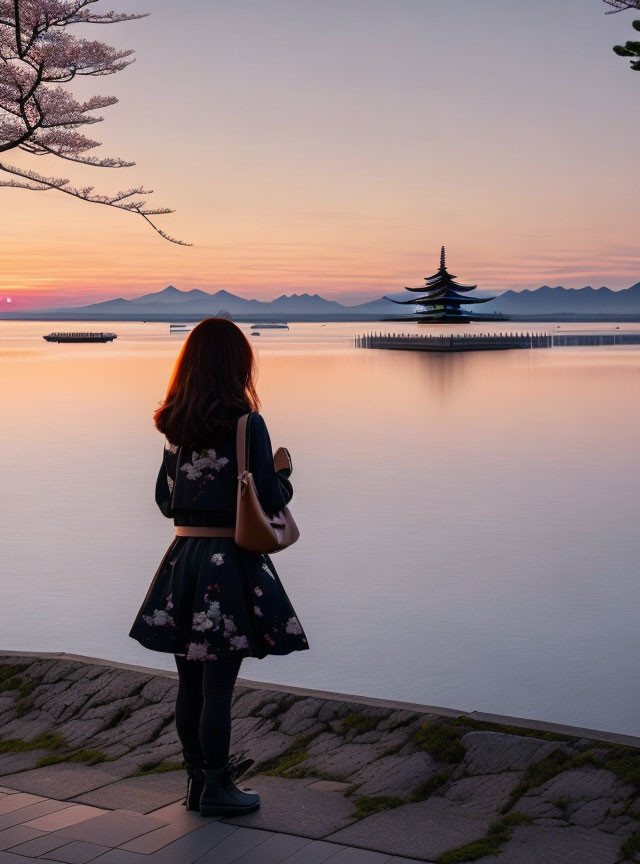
[(33, 827)]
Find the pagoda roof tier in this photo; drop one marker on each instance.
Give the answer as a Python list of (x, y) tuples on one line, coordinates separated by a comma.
[(444, 298), (439, 281), (440, 292)]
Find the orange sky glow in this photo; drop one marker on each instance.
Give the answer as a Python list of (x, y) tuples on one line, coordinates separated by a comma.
[(334, 147)]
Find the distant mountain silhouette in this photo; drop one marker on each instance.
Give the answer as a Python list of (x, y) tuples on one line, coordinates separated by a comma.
[(171, 302), (559, 300), (195, 302)]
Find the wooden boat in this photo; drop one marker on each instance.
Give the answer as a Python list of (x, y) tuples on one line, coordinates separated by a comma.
[(80, 337), (270, 325)]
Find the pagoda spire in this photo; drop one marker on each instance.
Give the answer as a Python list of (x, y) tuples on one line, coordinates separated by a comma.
[(443, 265)]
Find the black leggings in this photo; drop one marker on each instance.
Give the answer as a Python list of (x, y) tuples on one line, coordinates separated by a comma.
[(203, 707)]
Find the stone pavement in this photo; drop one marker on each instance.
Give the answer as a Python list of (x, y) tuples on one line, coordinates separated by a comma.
[(36, 828), (90, 771)]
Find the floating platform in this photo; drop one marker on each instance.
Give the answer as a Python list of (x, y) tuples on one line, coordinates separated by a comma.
[(270, 325), (80, 337), (491, 341)]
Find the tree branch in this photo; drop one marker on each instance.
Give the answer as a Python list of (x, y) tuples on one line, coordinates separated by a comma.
[(87, 194)]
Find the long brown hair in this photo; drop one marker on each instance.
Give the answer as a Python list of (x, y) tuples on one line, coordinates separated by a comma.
[(212, 384)]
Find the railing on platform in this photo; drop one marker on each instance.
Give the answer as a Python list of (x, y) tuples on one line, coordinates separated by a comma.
[(489, 341)]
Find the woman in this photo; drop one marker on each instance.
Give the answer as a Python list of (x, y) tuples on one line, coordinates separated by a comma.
[(210, 602)]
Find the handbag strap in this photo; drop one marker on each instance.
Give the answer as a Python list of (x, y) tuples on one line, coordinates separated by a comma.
[(242, 442)]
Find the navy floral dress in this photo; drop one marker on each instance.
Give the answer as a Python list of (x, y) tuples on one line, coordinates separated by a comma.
[(209, 598)]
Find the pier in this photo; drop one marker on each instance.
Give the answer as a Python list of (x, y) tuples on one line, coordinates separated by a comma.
[(490, 341)]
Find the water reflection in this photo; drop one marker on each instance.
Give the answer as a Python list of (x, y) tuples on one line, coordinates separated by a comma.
[(468, 521)]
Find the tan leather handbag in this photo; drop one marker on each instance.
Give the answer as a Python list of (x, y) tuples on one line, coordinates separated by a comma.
[(257, 531)]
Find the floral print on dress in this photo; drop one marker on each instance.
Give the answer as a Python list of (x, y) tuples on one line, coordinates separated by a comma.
[(293, 626), (201, 460), (204, 466), (159, 619), (217, 558), (200, 651)]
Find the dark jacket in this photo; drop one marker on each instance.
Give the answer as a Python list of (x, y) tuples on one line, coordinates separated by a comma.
[(199, 487)]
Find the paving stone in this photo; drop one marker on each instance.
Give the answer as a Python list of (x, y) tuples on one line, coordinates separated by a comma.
[(358, 856), (316, 852), (71, 815), (39, 845), (65, 780), (293, 807), (531, 844), (274, 849), (77, 852), (422, 830), (18, 800), (190, 847), (17, 834), (494, 752), (180, 822), (233, 847), (112, 829), (24, 814), (119, 856), (141, 794)]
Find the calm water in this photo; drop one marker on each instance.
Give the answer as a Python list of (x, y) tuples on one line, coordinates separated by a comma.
[(469, 522)]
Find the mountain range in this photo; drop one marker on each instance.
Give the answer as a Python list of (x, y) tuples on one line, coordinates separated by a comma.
[(173, 304)]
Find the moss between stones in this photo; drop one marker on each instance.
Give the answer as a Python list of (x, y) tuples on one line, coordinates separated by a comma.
[(157, 767), (538, 774), (89, 757), (424, 790), (441, 740), (44, 741), (368, 804), (497, 835), (391, 751), (548, 768), (470, 724), (626, 766), (10, 676), (299, 772), (293, 755), (358, 723), (630, 849)]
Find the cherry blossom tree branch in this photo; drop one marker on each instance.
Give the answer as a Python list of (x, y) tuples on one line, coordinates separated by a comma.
[(621, 5), (38, 56)]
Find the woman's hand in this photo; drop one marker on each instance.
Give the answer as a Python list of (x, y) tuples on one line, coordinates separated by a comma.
[(282, 461)]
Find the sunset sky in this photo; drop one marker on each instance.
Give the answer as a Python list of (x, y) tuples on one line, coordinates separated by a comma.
[(332, 146)]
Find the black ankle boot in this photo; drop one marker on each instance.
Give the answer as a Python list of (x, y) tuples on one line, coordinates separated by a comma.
[(195, 780), (221, 796)]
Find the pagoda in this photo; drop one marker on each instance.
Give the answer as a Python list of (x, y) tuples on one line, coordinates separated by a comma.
[(441, 299)]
